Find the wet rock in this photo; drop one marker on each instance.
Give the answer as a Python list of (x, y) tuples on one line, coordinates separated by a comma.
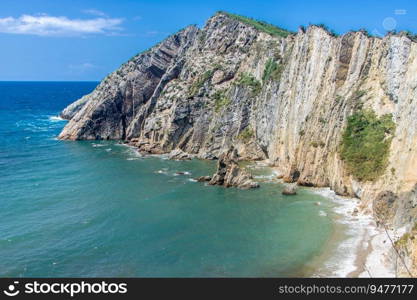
[(178, 154), (229, 174), (293, 175), (289, 190), (203, 178)]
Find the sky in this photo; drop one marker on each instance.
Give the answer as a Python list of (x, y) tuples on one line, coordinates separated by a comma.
[(84, 40)]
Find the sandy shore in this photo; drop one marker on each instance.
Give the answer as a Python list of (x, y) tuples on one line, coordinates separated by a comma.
[(366, 250), (358, 248)]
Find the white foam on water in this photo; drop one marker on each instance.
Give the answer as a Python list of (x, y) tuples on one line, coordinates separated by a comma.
[(97, 145), (56, 119), (322, 213), (161, 156), (132, 151), (192, 180), (266, 177), (342, 261), (161, 172)]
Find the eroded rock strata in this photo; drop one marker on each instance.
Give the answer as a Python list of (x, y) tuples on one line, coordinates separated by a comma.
[(230, 174), (282, 97)]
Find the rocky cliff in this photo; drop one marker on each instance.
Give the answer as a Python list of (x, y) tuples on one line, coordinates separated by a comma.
[(274, 95)]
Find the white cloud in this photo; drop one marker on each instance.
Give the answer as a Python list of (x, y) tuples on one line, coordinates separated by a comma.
[(94, 12), (44, 25), (81, 68)]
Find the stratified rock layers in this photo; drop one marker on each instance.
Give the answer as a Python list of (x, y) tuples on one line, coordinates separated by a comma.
[(230, 174), (203, 91)]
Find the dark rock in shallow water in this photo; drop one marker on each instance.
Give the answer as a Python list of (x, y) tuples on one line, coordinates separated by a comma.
[(203, 178), (182, 173), (229, 174)]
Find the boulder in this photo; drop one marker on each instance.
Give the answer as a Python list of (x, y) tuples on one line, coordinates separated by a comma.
[(203, 178), (289, 190), (229, 174)]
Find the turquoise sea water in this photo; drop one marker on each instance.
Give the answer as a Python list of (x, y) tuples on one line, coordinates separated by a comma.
[(98, 209)]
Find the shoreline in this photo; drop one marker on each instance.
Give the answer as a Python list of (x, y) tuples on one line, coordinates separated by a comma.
[(357, 247), (365, 250)]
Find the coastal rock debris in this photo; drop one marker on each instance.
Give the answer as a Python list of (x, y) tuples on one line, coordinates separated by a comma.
[(289, 189), (229, 174)]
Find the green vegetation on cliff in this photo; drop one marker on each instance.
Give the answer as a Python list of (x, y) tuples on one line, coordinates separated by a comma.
[(259, 25), (272, 70), (198, 84), (248, 80), (365, 144), (220, 100), (246, 134), (406, 237)]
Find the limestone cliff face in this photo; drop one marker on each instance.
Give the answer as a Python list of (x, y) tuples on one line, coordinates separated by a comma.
[(129, 93), (204, 90)]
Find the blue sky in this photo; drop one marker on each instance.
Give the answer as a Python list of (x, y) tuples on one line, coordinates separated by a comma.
[(85, 40)]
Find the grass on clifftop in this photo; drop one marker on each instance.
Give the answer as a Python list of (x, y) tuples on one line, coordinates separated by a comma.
[(259, 25), (365, 144)]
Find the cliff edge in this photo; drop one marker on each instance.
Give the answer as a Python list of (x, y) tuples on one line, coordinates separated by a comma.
[(325, 110)]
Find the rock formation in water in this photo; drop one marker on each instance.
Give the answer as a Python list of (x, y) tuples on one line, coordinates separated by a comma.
[(230, 174), (325, 110), (289, 189)]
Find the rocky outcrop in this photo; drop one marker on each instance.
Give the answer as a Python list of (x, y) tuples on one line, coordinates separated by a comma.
[(285, 98), (127, 96), (406, 247), (289, 189), (73, 108), (229, 174), (203, 179), (178, 154)]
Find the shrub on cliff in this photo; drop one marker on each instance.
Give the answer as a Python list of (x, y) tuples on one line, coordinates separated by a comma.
[(220, 100), (365, 144), (248, 80), (198, 84), (246, 134), (272, 70)]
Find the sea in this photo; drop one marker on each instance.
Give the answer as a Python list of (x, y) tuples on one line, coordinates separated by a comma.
[(100, 209)]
